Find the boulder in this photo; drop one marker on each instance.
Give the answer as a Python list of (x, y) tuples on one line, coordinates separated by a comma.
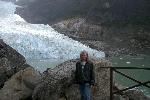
[(10, 62), (21, 85), (131, 94), (136, 95), (58, 83)]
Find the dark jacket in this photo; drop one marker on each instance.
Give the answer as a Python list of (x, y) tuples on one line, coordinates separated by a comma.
[(85, 75)]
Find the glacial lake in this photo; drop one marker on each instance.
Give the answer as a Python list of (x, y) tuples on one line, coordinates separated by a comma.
[(140, 75)]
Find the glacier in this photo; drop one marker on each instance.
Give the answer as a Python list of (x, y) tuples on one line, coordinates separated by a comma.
[(38, 41)]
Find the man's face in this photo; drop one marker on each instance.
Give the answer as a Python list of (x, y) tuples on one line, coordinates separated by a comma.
[(83, 56)]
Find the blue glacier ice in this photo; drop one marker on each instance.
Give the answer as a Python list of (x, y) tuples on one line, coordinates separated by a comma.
[(38, 41)]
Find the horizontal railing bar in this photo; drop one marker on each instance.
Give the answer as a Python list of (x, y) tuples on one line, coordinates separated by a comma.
[(126, 68), (130, 78), (144, 83), (140, 83)]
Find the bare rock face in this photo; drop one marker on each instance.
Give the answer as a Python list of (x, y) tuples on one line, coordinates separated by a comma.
[(20, 86), (124, 22), (10, 62), (128, 39), (17, 78), (99, 11), (58, 83), (78, 28), (37, 10)]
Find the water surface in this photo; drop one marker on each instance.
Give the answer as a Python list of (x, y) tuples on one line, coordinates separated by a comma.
[(133, 61)]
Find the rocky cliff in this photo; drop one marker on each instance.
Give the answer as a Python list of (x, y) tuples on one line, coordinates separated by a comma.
[(113, 40), (121, 26), (98, 11)]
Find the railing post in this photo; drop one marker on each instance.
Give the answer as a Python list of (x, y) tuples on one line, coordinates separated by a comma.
[(111, 83), (112, 69)]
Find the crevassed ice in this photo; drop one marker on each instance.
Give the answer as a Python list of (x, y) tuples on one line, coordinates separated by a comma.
[(38, 41)]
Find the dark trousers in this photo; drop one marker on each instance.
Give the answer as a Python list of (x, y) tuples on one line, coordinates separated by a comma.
[(85, 91)]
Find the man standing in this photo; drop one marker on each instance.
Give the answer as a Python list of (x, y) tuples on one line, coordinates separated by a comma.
[(84, 76)]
